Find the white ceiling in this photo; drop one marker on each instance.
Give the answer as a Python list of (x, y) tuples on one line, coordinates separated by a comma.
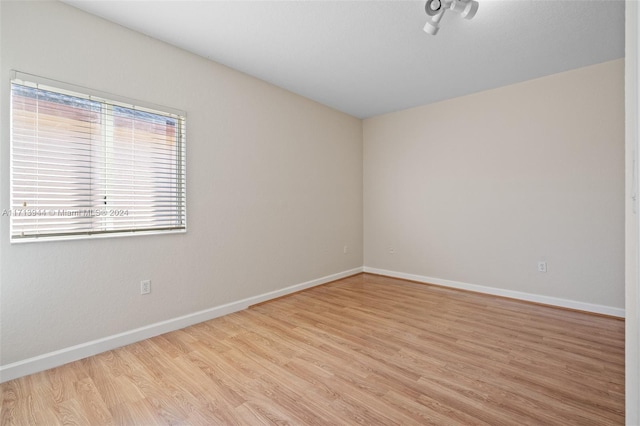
[(372, 57)]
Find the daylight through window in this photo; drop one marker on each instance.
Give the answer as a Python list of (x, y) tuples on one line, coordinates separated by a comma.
[(85, 165)]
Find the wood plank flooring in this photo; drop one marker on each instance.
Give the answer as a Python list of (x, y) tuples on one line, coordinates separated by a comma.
[(362, 350)]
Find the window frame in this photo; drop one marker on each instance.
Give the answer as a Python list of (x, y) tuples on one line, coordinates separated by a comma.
[(107, 100)]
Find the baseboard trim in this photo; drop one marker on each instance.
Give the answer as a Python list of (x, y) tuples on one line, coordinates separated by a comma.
[(94, 347), (535, 298), (303, 286)]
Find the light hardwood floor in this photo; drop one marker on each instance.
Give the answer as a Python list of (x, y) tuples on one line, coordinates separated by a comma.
[(365, 349)]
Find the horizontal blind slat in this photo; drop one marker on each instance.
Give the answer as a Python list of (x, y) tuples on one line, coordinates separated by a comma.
[(84, 165)]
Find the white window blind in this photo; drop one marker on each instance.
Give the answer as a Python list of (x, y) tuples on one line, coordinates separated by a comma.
[(83, 164)]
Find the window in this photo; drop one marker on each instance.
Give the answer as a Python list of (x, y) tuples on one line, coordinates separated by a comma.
[(84, 164)]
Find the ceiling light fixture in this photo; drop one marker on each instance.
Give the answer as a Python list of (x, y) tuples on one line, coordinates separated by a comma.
[(436, 8)]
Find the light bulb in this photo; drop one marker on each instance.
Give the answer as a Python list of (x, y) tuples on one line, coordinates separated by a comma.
[(470, 10), (433, 25), (433, 7), (466, 8)]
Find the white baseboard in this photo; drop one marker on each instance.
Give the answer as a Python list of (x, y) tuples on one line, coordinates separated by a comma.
[(546, 300), (74, 353), (298, 287), (83, 350)]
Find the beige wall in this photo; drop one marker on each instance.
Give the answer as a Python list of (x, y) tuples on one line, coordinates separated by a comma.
[(478, 189), (274, 189), (472, 190)]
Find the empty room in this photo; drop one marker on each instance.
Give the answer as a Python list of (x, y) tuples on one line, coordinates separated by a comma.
[(319, 212)]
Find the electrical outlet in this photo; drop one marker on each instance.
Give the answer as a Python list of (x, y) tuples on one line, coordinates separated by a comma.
[(392, 250), (345, 250), (145, 287), (542, 266)]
